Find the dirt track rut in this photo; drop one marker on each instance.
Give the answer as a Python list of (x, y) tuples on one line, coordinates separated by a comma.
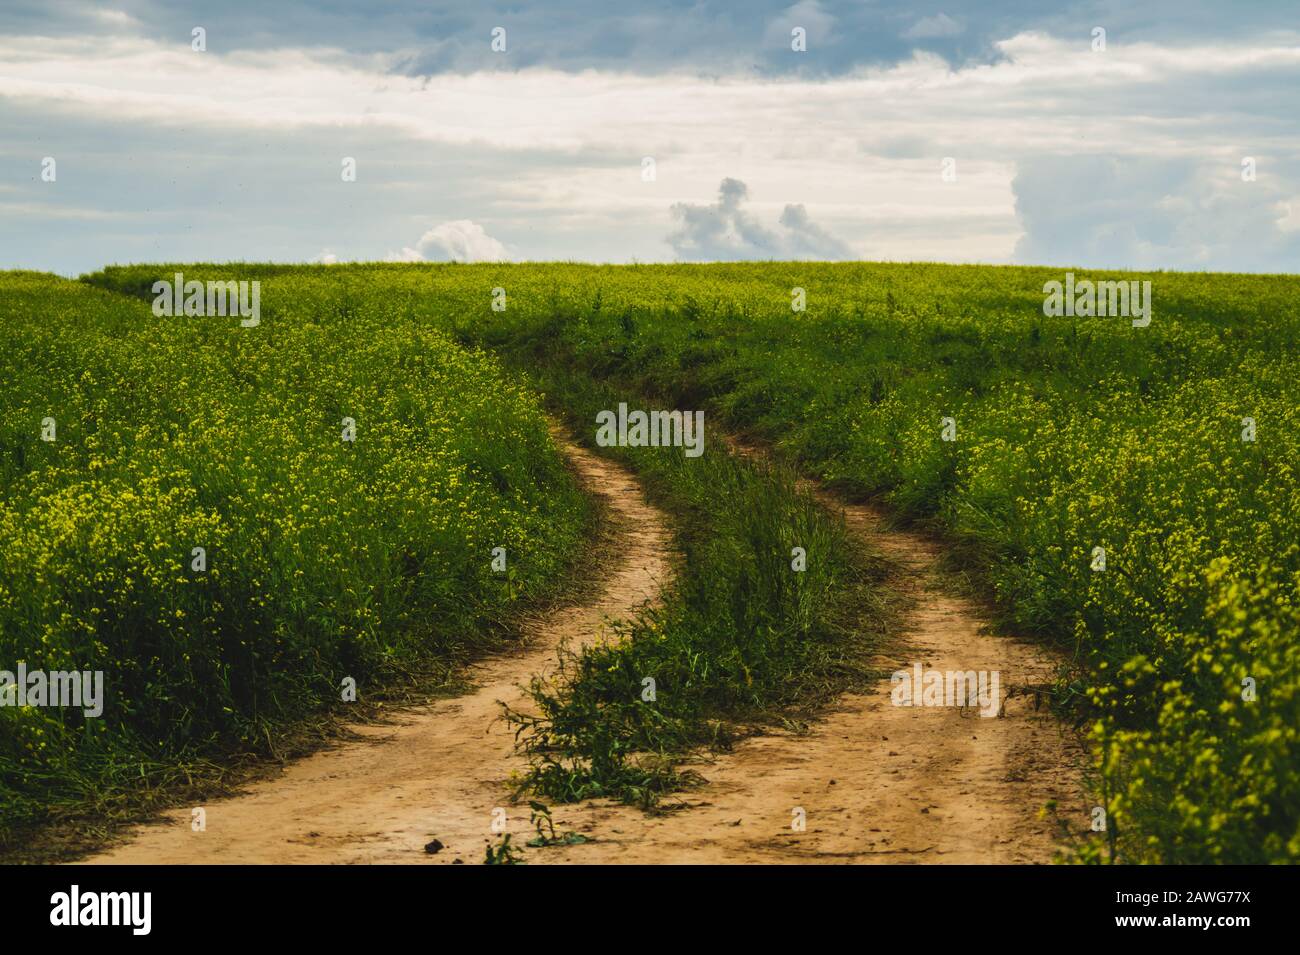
[(876, 782)]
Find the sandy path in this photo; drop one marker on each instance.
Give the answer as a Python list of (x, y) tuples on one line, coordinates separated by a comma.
[(442, 770), (877, 783)]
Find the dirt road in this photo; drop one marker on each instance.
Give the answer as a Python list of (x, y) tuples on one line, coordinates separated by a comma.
[(879, 782), (875, 782), (442, 771)]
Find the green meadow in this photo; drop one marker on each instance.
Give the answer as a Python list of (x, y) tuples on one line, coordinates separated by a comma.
[(1124, 491)]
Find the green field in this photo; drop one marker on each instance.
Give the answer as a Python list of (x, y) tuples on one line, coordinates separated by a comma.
[(325, 559), (1071, 434)]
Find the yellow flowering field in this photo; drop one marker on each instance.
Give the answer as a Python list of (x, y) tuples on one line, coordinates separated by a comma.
[(1127, 490), (181, 508)]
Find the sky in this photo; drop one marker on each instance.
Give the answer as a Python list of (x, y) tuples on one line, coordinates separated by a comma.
[(1091, 134)]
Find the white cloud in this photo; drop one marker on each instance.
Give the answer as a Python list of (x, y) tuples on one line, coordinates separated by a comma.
[(1290, 218), (804, 239), (807, 14), (117, 18), (458, 241), (1153, 213), (723, 231), (932, 28), (1030, 94), (552, 159), (407, 254)]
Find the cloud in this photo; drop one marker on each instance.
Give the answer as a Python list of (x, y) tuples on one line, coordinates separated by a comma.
[(1290, 220), (551, 159), (809, 240), (933, 28), (717, 37), (458, 241), (807, 14), (116, 18), (724, 232), (1144, 213)]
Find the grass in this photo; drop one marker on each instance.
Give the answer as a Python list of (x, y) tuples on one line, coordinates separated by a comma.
[(322, 559), (1170, 447), (741, 639)]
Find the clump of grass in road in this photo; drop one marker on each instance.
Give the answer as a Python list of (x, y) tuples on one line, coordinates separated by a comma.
[(741, 636)]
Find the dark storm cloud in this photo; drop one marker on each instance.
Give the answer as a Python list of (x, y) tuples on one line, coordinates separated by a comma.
[(705, 36)]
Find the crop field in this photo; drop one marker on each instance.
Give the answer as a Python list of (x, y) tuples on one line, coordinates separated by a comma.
[(192, 521), (1123, 493)]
